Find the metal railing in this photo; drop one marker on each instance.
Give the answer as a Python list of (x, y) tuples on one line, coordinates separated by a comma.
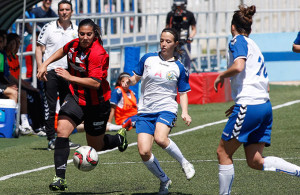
[(209, 47)]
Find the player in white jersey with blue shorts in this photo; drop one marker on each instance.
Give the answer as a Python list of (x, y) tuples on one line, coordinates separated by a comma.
[(161, 75), (250, 121)]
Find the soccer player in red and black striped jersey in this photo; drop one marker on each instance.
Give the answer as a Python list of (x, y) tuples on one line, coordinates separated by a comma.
[(88, 98)]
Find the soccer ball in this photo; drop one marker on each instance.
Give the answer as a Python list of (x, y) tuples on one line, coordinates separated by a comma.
[(85, 158)]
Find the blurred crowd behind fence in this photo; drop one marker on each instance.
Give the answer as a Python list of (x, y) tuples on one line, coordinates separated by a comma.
[(139, 23)]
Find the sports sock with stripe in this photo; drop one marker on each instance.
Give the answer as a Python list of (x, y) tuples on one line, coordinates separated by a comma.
[(272, 163), (154, 167), (173, 150), (61, 154), (226, 175)]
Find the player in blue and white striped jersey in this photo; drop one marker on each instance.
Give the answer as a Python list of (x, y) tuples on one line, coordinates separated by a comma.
[(161, 75), (250, 121)]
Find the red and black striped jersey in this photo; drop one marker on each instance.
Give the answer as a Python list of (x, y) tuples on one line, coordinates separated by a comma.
[(89, 62)]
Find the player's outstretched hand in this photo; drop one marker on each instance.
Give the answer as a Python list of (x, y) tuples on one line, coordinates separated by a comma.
[(187, 118)]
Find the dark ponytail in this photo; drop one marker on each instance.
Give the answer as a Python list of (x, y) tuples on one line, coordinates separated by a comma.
[(96, 28), (242, 19)]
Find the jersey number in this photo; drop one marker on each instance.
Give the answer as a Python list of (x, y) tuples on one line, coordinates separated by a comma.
[(262, 67)]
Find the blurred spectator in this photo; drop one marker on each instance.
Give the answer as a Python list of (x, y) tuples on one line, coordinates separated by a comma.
[(181, 20), (44, 11), (53, 36), (30, 97), (123, 106), (6, 90), (29, 61)]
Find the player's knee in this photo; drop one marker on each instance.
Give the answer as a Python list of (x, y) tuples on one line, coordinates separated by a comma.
[(161, 141), (145, 154), (255, 164), (14, 95), (220, 153), (223, 156)]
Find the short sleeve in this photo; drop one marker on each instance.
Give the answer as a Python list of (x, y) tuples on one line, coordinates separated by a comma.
[(139, 69), (238, 47), (168, 18), (43, 36), (116, 96), (193, 20), (183, 80)]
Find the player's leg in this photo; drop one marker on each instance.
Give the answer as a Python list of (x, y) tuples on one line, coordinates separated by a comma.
[(107, 141), (95, 120), (145, 142), (164, 123), (256, 161), (51, 93), (10, 92), (145, 129), (242, 122), (61, 152), (25, 127), (254, 155), (263, 136), (112, 127), (70, 115), (272, 163), (226, 169)]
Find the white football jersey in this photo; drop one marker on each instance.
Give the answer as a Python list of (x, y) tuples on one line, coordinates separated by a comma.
[(159, 83), (54, 37), (251, 85)]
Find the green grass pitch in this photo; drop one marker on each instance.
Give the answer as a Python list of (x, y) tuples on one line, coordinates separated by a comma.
[(27, 167)]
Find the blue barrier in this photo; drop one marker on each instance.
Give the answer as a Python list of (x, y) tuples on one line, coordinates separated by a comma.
[(132, 58)]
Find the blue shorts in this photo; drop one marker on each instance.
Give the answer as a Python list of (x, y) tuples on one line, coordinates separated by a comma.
[(146, 122), (250, 124)]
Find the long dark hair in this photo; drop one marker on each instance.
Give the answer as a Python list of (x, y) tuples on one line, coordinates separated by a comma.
[(242, 19), (96, 28), (176, 38)]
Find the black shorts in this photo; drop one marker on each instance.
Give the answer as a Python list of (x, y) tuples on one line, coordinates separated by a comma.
[(95, 117), (2, 89)]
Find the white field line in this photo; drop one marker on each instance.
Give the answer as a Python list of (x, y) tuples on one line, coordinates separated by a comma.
[(173, 161), (135, 143)]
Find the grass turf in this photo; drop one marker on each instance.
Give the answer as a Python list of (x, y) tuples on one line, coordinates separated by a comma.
[(124, 173)]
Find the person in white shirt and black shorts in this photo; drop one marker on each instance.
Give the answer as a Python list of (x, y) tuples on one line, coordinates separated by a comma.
[(53, 36)]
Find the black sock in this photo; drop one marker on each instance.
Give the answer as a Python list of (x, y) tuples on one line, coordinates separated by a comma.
[(61, 154), (112, 141)]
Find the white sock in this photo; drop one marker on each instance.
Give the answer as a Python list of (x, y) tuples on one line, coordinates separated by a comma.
[(226, 175), (272, 163), (24, 120), (173, 150), (153, 165), (113, 127)]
